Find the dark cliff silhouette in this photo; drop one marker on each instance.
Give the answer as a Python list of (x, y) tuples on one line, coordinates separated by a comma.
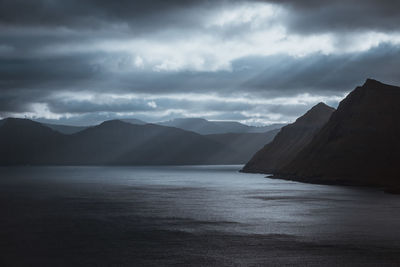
[(289, 141), (359, 144)]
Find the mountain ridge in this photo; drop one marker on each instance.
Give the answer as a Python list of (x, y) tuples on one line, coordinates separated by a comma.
[(203, 126), (117, 142), (289, 141), (359, 144)]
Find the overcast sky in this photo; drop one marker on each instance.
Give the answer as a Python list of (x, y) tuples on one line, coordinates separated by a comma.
[(258, 62)]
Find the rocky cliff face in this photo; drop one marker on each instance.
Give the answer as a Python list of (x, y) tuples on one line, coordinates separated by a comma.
[(289, 141), (360, 143)]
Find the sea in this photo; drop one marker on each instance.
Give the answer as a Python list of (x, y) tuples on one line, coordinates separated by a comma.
[(190, 216)]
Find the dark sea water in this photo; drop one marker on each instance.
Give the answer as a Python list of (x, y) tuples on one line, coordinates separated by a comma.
[(189, 216)]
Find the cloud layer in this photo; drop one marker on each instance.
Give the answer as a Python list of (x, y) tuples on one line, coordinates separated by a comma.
[(258, 62)]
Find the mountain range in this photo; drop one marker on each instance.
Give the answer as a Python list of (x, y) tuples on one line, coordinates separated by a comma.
[(203, 126), (355, 144), (116, 142), (197, 125)]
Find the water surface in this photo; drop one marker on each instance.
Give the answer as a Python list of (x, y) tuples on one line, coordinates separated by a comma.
[(189, 215)]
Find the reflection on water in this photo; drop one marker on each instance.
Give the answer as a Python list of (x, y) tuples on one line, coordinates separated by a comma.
[(198, 215)]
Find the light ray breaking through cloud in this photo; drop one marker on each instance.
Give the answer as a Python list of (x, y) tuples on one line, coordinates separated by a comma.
[(257, 62)]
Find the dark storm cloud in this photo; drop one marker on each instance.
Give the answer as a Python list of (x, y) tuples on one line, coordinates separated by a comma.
[(272, 76), (310, 16), (91, 106), (14, 103), (28, 72), (52, 47), (102, 72), (304, 15), (138, 15), (28, 81)]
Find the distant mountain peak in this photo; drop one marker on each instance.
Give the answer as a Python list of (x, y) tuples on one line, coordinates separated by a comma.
[(377, 86), (371, 82), (321, 105), (21, 121), (290, 140), (317, 113), (133, 121)]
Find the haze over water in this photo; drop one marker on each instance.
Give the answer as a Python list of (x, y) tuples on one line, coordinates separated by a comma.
[(202, 215)]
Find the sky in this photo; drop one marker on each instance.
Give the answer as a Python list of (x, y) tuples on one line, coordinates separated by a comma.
[(80, 62)]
